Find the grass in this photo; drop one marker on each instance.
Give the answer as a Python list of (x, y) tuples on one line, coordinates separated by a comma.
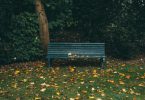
[(37, 82)]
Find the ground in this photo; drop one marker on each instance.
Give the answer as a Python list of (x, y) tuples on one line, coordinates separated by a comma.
[(120, 80)]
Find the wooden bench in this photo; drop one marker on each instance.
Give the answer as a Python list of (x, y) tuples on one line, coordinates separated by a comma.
[(77, 50)]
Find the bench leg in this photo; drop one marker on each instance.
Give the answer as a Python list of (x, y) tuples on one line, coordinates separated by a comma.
[(49, 62), (102, 63)]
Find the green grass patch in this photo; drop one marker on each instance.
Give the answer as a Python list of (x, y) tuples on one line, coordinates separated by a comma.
[(37, 82)]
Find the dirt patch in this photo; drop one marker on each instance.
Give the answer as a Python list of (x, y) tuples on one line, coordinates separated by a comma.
[(138, 61), (111, 62)]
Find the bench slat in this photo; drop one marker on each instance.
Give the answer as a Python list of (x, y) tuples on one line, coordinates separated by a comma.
[(72, 43), (76, 46), (65, 56), (76, 53), (83, 49)]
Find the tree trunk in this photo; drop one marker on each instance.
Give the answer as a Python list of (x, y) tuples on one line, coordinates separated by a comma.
[(43, 25)]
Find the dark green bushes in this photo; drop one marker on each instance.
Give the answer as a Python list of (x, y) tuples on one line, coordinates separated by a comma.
[(23, 39)]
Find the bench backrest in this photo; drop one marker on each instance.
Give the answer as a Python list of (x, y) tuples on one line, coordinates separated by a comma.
[(62, 50)]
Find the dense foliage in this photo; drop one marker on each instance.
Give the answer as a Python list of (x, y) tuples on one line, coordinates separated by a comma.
[(19, 39), (118, 23)]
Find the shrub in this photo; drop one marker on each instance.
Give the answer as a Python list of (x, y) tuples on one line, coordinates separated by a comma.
[(23, 39)]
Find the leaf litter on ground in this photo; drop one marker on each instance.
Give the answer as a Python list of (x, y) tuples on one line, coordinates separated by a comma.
[(25, 80)]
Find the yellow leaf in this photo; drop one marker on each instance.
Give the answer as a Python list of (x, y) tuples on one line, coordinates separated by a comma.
[(71, 98), (81, 79), (91, 97), (27, 71), (93, 89), (123, 65), (124, 90), (55, 86), (137, 93), (103, 94), (43, 84), (84, 91), (94, 71), (17, 72), (37, 98), (131, 91), (98, 99), (82, 82), (32, 83), (110, 81), (58, 93), (43, 90), (14, 85), (77, 98), (121, 82), (91, 81), (71, 69), (78, 94), (121, 74), (143, 76), (95, 75), (53, 71), (24, 80), (141, 84), (57, 68), (42, 77)]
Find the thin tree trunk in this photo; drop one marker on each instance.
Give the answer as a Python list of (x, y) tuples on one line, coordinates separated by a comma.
[(43, 25)]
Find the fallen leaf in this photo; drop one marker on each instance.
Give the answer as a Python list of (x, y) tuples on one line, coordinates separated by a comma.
[(84, 91), (91, 97), (64, 75), (17, 72), (141, 84), (14, 85), (71, 98), (110, 81), (37, 98), (32, 83), (121, 82), (93, 89), (94, 71), (124, 90), (91, 81), (131, 91), (42, 77), (137, 93), (43, 90), (115, 72), (43, 84), (71, 69), (98, 99), (103, 94), (128, 76), (123, 65), (121, 74), (77, 98), (78, 94), (24, 80), (95, 75), (82, 82), (58, 93)]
